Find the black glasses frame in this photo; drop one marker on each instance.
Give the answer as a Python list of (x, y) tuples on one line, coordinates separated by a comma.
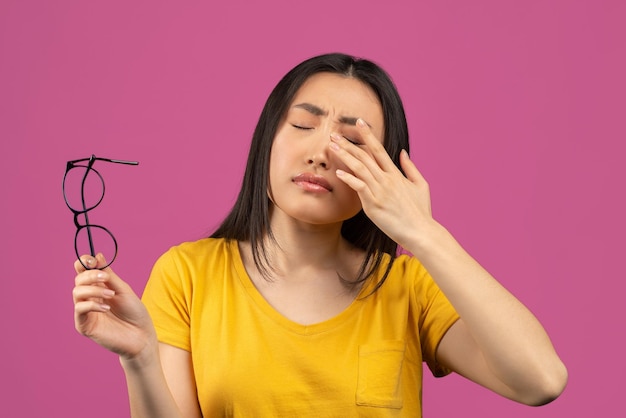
[(83, 211)]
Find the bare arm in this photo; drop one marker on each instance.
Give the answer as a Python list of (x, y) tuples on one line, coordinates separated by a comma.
[(497, 342), (108, 311), (162, 385)]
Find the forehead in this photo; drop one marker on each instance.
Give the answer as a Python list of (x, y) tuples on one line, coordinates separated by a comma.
[(341, 96)]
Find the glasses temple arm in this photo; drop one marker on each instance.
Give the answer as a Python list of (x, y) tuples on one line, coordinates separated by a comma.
[(93, 158)]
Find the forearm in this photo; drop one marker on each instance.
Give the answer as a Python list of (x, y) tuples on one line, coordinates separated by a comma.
[(513, 343), (148, 391)]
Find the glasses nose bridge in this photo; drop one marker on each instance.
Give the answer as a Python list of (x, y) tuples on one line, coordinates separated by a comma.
[(77, 224)]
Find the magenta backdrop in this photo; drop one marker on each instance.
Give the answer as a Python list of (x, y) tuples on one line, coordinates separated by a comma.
[(516, 111)]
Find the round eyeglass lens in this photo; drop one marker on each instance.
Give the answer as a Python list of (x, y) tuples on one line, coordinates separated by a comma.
[(101, 239), (81, 196)]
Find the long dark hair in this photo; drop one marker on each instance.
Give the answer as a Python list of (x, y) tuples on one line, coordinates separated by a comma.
[(250, 217)]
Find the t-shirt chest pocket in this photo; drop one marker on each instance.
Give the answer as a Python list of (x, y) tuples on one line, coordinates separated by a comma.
[(380, 372)]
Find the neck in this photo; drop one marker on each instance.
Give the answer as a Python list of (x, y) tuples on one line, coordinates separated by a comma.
[(303, 249), (301, 245)]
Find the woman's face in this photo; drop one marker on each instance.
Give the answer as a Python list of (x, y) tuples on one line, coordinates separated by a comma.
[(303, 183)]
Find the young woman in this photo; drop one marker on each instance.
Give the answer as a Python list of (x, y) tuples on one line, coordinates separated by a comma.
[(298, 305)]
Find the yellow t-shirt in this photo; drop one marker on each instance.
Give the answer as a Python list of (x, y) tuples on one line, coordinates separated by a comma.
[(250, 361)]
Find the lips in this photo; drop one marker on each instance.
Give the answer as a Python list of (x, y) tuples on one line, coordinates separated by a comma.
[(312, 181)]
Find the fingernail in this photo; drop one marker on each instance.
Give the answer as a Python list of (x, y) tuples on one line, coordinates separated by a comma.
[(334, 146), (361, 122), (335, 136), (108, 293), (105, 307)]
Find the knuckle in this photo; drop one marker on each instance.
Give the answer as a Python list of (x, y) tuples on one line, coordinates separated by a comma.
[(375, 201), (359, 167), (78, 267)]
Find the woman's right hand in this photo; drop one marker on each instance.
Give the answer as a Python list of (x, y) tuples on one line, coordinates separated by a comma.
[(108, 311)]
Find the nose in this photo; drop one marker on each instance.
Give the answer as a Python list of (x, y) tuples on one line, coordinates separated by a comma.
[(317, 160), (317, 154)]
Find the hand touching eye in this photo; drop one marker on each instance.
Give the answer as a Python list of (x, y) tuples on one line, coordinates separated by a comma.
[(398, 205)]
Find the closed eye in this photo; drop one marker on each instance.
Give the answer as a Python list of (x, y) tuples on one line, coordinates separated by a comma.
[(304, 128), (353, 141), (307, 128)]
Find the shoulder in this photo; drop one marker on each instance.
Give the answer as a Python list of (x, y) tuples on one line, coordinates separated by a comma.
[(193, 256), (408, 274), (407, 270), (185, 268), (200, 249)]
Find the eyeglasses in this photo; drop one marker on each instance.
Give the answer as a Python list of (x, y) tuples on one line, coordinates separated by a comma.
[(83, 193)]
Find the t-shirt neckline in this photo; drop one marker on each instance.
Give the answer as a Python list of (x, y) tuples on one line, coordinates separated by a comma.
[(310, 329)]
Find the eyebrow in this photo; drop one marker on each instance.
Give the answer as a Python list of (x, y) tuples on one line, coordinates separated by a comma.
[(318, 111)]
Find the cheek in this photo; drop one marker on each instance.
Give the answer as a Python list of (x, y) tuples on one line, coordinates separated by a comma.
[(279, 157)]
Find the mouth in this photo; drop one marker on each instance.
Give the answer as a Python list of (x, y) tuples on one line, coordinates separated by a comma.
[(312, 182)]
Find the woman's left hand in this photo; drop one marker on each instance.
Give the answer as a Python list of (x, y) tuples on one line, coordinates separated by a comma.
[(398, 205)]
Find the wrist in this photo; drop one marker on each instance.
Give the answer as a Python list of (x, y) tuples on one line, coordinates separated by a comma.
[(144, 359), (431, 236)]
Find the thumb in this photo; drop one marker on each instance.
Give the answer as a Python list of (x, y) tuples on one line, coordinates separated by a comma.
[(101, 262), (114, 281)]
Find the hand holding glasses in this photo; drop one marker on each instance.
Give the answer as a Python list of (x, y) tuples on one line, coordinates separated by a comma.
[(83, 193)]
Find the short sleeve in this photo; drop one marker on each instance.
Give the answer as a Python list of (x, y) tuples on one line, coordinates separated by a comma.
[(436, 316), (167, 296)]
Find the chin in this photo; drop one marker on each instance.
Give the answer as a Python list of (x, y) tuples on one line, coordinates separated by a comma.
[(315, 213)]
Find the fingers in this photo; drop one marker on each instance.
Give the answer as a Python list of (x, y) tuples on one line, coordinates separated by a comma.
[(94, 289), (354, 158), (375, 146), (92, 285), (90, 295), (91, 299), (88, 262), (355, 184), (85, 260), (410, 170), (366, 158), (102, 278)]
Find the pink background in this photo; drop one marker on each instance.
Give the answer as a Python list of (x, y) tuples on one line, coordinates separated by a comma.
[(516, 112)]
